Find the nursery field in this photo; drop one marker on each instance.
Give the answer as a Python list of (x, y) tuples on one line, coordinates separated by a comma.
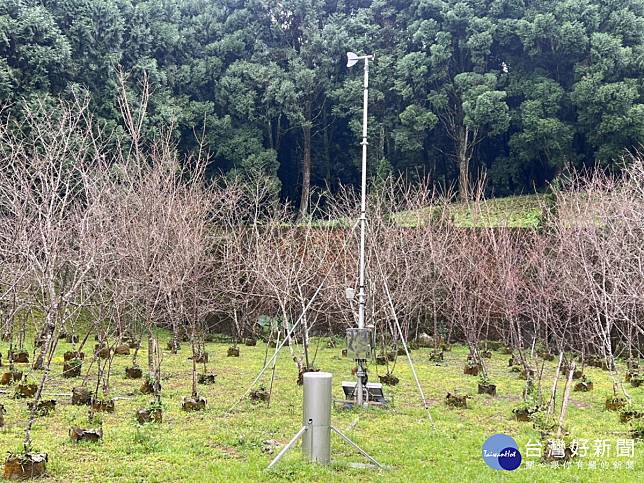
[(211, 446)]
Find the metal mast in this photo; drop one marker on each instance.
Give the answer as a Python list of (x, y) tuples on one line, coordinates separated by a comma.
[(358, 339), (363, 195)]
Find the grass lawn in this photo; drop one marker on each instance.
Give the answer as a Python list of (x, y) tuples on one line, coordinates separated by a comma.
[(208, 446), (523, 211)]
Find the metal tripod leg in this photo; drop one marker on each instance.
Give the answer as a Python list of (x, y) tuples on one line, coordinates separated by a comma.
[(299, 434), (288, 446), (356, 447)]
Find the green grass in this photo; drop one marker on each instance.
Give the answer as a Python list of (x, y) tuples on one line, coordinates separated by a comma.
[(522, 211), (513, 212), (209, 446)]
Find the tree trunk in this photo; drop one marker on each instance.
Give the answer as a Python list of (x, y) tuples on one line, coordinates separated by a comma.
[(564, 403), (552, 404), (194, 366), (278, 133), (306, 163), (151, 372), (463, 159), (326, 136)]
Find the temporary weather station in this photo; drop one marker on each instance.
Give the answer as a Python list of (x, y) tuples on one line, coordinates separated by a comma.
[(361, 339), (318, 401)]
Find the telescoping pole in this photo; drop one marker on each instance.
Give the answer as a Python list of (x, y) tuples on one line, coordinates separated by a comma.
[(361, 373), (363, 199), (359, 340)]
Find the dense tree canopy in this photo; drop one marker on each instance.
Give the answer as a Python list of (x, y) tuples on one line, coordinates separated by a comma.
[(517, 89)]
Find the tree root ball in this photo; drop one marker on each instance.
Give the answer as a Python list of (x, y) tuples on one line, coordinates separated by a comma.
[(523, 414), (626, 415), (637, 381), (69, 355), (194, 403), (103, 405), (456, 400), (78, 435), (583, 386), (201, 358), (233, 352), (133, 373), (122, 349), (149, 415), (25, 466), (487, 389), (72, 368), (258, 395), (630, 374), (389, 380), (25, 390), (10, 377), (436, 356), (599, 362), (637, 432), (615, 403), (44, 407), (102, 351), (147, 387), (81, 396), (20, 357), (206, 379), (472, 369)]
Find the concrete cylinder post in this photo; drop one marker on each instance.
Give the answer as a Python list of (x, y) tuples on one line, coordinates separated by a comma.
[(316, 441)]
